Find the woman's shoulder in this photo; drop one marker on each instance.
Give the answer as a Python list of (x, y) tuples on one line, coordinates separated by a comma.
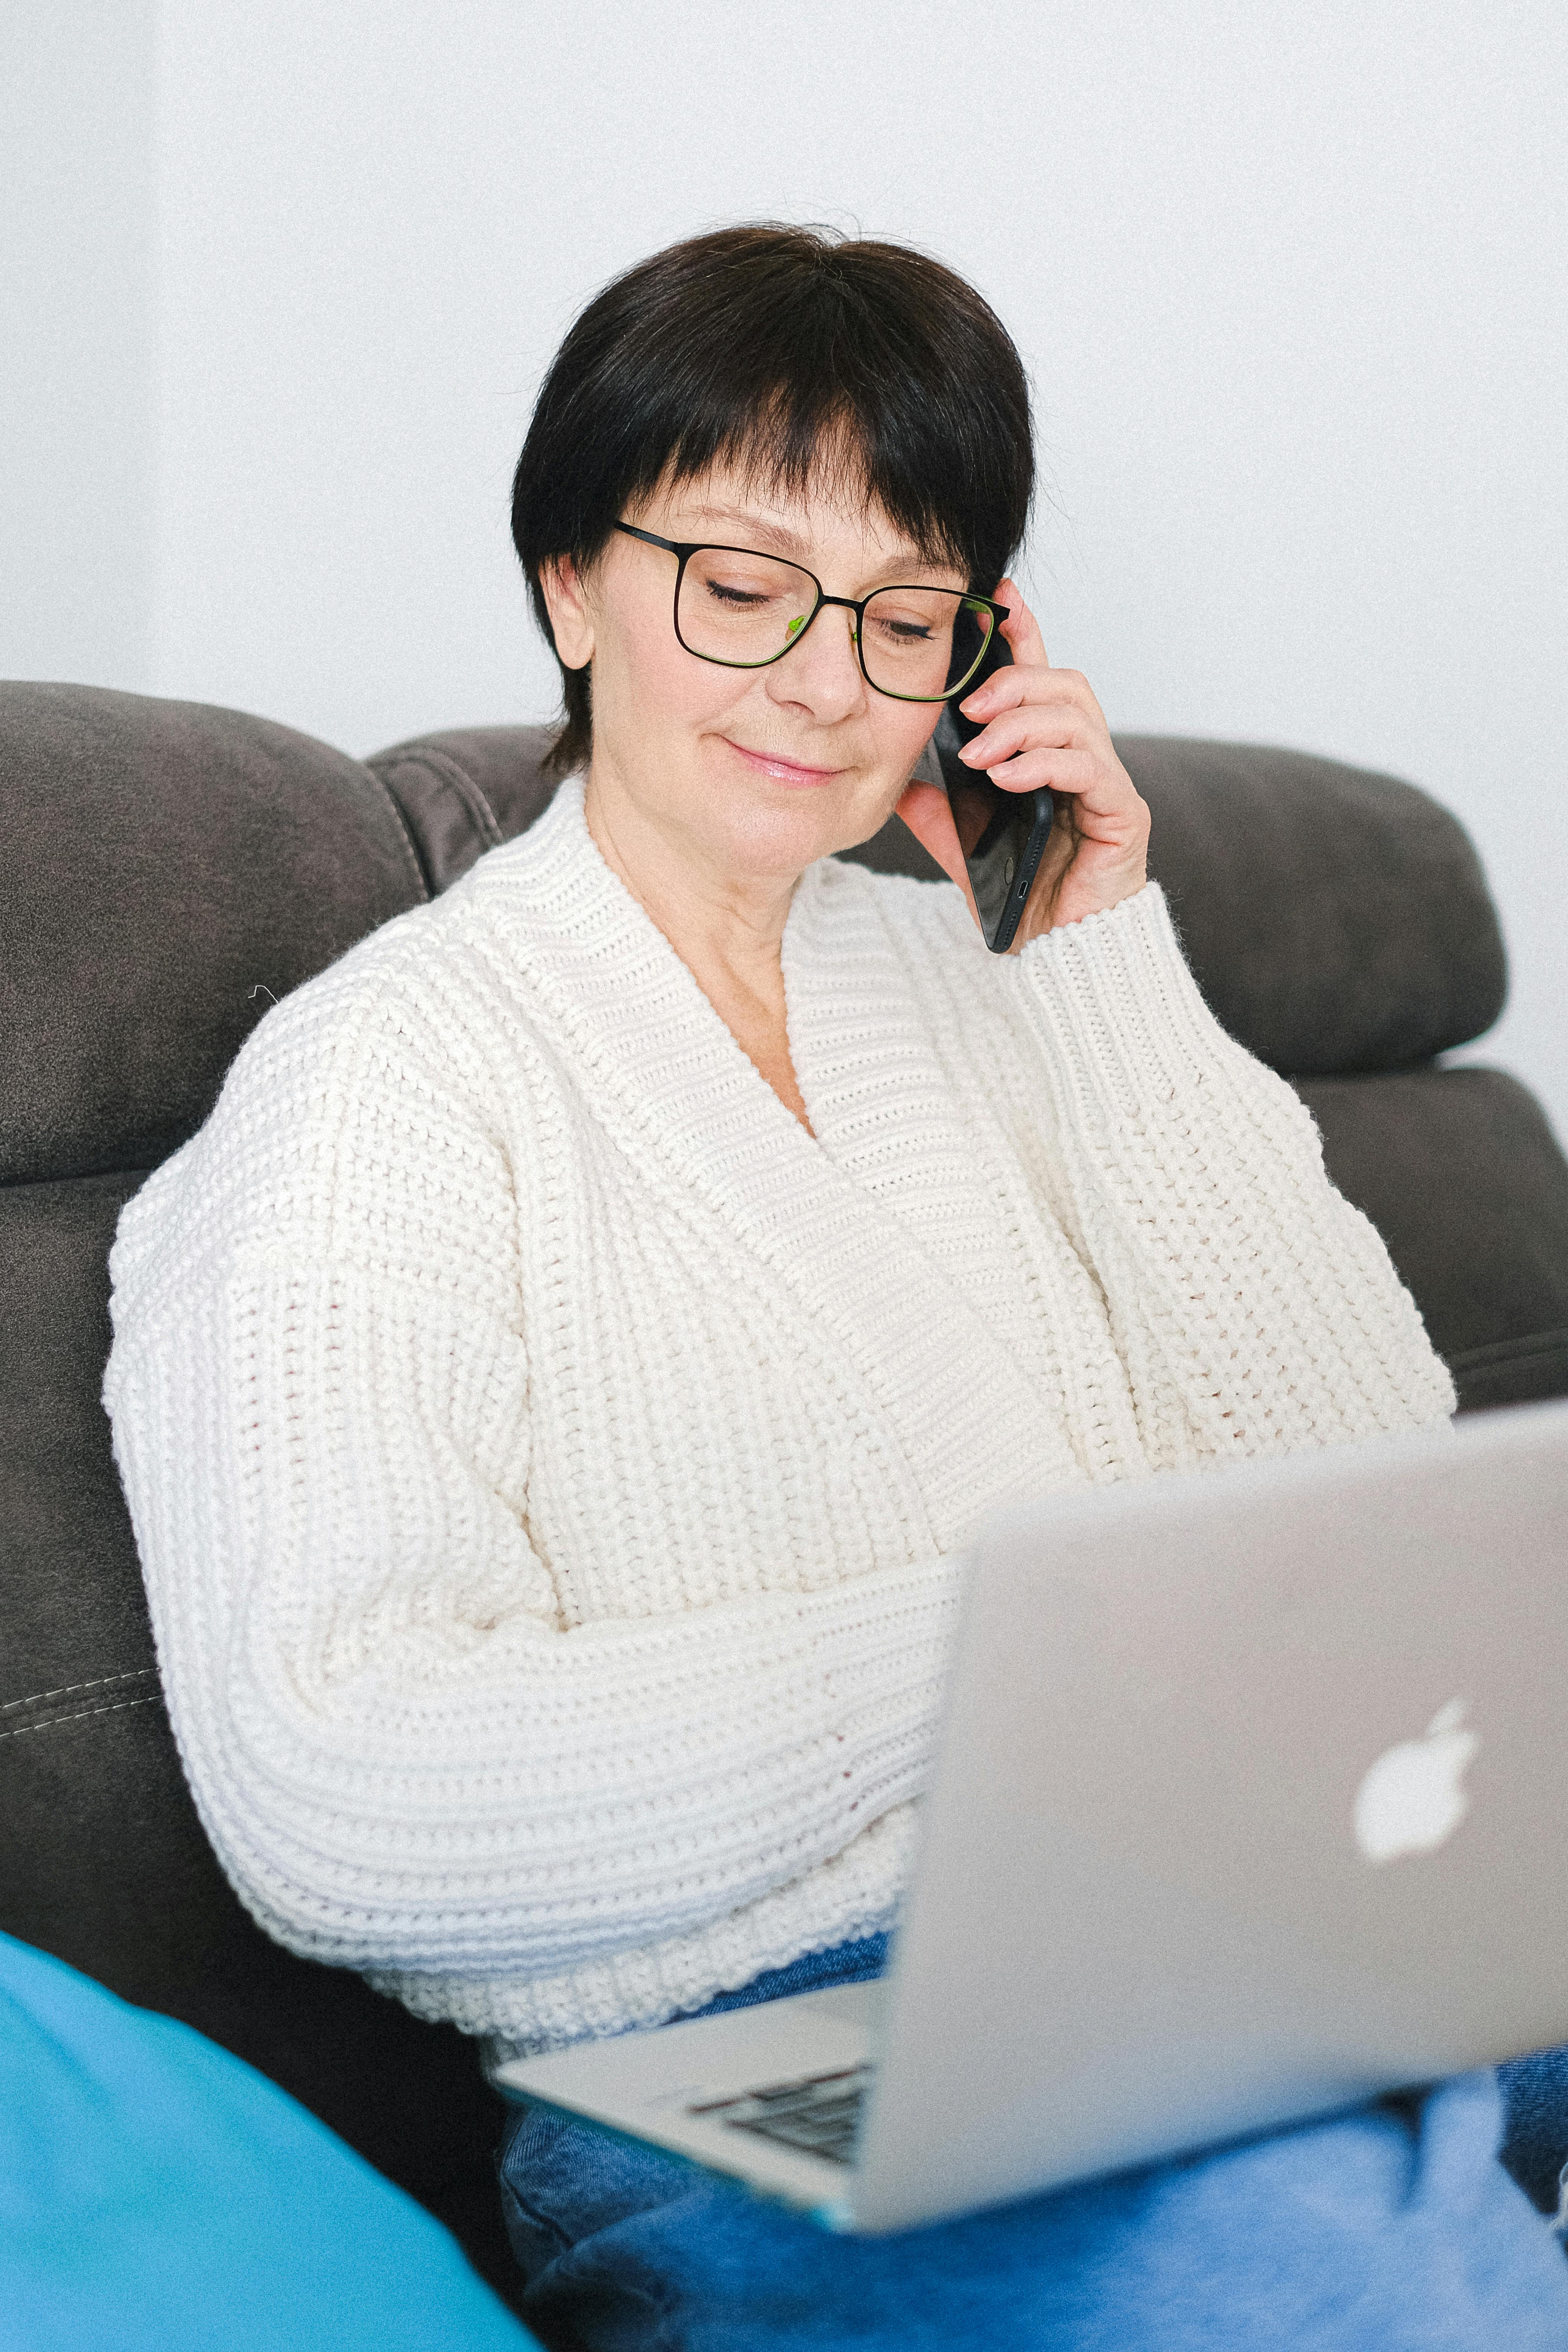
[(376, 1084), (405, 990), (438, 977)]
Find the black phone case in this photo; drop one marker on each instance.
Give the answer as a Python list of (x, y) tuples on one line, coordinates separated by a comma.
[(1003, 834)]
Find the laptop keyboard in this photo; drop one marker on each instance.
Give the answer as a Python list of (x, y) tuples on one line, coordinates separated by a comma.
[(819, 2114)]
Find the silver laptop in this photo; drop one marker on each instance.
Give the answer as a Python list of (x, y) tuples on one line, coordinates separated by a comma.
[(1247, 1805)]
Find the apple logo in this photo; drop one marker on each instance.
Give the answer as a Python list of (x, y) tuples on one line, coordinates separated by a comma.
[(1413, 1798)]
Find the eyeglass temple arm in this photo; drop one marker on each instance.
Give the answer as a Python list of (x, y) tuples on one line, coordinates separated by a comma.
[(652, 539)]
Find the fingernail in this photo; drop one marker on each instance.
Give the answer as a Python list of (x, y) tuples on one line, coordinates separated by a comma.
[(969, 752)]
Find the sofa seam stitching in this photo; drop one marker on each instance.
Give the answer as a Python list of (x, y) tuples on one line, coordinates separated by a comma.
[(140, 1170), (68, 1690), (119, 1707), (1534, 1343)]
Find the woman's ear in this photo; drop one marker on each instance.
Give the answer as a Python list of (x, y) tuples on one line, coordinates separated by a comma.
[(570, 619)]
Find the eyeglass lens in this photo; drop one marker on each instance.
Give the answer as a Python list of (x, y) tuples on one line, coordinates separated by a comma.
[(746, 610)]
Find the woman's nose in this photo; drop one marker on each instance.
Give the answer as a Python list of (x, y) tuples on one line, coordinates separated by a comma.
[(822, 673)]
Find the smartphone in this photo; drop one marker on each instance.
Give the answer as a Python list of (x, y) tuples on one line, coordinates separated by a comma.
[(1003, 834)]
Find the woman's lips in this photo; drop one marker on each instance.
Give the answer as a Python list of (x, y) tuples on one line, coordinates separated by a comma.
[(781, 770)]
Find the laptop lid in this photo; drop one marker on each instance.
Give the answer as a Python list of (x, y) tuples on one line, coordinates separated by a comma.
[(1248, 1806)]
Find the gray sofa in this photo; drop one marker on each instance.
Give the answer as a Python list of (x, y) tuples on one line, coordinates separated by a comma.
[(171, 870)]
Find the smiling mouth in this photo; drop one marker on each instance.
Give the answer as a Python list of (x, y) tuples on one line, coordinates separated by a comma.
[(783, 770)]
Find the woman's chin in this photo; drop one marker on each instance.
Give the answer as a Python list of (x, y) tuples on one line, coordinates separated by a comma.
[(771, 838)]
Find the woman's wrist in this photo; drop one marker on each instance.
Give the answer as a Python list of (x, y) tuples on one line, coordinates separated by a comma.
[(1101, 895), (1122, 1015)]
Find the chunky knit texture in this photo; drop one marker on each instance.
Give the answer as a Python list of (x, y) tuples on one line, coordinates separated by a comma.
[(550, 1464)]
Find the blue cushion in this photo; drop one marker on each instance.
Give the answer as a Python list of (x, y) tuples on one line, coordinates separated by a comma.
[(155, 2192)]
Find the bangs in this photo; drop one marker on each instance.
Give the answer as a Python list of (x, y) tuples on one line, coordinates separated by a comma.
[(804, 447)]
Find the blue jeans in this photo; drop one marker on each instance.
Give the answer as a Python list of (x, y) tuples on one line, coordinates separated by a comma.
[(1391, 2230)]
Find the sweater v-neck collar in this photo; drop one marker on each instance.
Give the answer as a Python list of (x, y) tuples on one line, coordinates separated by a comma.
[(811, 1208)]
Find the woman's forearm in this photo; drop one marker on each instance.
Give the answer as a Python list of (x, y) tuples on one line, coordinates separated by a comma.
[(401, 1758), (1256, 1309)]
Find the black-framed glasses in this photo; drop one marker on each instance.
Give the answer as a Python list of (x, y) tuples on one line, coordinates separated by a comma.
[(742, 609)]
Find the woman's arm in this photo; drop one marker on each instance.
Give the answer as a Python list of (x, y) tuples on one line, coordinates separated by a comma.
[(400, 1758), (320, 1392), (1255, 1310)]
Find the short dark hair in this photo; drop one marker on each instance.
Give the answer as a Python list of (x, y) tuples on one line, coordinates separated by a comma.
[(786, 351)]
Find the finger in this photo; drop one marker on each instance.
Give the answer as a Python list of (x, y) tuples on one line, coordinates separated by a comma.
[(1104, 807), (1045, 723), (1010, 690), (1072, 773), (1020, 628), (1025, 682)]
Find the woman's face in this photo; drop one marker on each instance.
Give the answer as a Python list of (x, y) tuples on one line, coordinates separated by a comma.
[(755, 772)]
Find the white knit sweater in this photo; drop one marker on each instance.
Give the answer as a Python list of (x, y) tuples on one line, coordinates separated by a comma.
[(550, 1464)]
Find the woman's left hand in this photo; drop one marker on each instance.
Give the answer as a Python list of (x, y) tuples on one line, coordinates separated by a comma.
[(1043, 726)]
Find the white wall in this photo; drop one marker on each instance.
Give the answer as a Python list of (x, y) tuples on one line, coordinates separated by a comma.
[(75, 339), (1288, 280)]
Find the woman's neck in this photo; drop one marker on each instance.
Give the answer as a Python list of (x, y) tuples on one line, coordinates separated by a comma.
[(727, 929)]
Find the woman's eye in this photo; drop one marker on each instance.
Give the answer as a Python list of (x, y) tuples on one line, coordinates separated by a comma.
[(724, 593)]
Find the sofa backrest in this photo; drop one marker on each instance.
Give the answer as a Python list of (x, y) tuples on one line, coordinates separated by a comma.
[(168, 871)]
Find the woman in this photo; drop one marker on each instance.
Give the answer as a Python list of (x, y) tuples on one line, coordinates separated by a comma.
[(556, 1387)]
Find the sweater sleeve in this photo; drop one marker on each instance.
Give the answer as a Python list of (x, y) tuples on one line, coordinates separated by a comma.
[(1254, 1308), (404, 1757)]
